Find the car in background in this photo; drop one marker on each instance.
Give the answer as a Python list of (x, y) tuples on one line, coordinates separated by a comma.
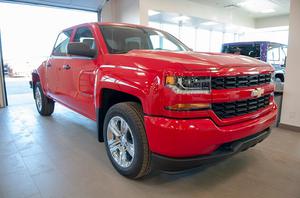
[(270, 52), (5, 68)]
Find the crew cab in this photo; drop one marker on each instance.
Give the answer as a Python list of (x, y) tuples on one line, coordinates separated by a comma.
[(157, 104)]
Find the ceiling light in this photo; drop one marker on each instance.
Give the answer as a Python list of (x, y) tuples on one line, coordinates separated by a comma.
[(209, 23), (262, 6), (270, 10), (153, 12), (182, 18)]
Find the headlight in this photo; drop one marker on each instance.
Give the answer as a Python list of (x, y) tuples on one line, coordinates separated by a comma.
[(189, 84)]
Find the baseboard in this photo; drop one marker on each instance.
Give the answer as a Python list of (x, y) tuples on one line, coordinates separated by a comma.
[(289, 127)]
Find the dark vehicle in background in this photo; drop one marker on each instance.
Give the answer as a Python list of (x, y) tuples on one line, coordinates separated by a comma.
[(270, 52), (5, 69)]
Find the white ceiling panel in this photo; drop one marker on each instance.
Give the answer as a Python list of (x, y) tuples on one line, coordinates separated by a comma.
[(88, 5), (253, 8)]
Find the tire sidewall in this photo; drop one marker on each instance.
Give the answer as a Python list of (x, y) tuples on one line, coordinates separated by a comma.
[(38, 86), (136, 165)]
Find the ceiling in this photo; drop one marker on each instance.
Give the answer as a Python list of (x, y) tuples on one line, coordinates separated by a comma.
[(251, 7), (175, 19), (87, 5)]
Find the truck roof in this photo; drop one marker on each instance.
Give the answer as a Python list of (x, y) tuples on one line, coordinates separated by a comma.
[(253, 42), (109, 23)]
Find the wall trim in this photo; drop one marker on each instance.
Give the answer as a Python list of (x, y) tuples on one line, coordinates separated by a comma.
[(289, 127)]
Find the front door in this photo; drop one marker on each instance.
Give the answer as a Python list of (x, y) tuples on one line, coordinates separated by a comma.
[(78, 77), (54, 64)]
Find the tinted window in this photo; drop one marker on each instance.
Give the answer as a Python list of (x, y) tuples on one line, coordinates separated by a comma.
[(123, 39), (246, 50), (60, 47), (85, 35)]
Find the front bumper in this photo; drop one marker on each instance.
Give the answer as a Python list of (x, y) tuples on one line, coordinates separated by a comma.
[(223, 152), (184, 138)]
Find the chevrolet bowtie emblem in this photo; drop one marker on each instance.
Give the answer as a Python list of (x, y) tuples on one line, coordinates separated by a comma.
[(258, 92)]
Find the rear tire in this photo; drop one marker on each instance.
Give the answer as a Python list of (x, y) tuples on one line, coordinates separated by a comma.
[(44, 105), (125, 140)]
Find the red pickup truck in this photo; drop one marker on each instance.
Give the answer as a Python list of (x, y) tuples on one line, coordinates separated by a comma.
[(157, 103)]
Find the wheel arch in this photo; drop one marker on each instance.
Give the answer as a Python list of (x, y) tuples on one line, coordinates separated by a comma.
[(35, 78), (280, 76), (107, 98)]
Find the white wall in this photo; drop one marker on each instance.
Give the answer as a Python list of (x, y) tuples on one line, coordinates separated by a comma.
[(291, 105), (121, 11), (109, 11), (136, 11), (274, 21)]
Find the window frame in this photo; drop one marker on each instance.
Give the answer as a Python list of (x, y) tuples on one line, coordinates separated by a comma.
[(70, 38)]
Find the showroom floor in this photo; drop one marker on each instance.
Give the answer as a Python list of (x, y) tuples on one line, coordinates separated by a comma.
[(60, 157)]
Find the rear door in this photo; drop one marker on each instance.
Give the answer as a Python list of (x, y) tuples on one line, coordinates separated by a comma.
[(55, 62), (78, 77)]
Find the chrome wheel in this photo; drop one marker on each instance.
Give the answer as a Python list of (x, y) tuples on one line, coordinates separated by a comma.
[(38, 98), (120, 141)]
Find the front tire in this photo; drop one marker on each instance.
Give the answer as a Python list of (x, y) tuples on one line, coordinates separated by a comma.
[(125, 140), (44, 105)]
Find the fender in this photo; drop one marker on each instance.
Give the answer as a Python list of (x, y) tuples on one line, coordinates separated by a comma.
[(134, 81), (39, 75), (129, 80)]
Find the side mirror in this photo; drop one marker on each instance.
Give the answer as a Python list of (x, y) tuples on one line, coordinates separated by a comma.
[(80, 49)]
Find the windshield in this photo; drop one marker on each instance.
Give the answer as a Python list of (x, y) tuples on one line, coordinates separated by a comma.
[(252, 50), (123, 39)]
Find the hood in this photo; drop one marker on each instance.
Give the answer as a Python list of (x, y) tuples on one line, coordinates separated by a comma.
[(198, 60)]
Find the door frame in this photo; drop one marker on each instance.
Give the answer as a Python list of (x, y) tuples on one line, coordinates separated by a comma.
[(3, 94)]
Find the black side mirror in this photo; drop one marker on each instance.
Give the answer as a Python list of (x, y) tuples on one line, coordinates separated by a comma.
[(80, 49)]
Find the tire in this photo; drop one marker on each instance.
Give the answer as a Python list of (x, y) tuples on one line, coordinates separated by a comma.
[(136, 164), (44, 105)]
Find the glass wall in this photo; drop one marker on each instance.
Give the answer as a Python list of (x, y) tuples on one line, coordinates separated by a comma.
[(197, 39), (205, 40)]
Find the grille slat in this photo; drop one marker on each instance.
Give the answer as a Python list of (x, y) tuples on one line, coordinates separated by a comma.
[(242, 107), (239, 81)]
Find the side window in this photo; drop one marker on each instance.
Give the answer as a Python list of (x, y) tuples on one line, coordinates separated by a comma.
[(274, 54), (85, 35), (60, 47)]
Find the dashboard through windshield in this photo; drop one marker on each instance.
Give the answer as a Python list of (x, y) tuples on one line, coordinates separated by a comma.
[(124, 39)]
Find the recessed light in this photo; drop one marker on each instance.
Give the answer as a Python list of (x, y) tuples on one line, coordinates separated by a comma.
[(262, 6), (153, 12), (182, 18), (267, 11), (209, 23)]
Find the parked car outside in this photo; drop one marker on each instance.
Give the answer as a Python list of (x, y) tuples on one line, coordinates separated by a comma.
[(270, 52), (5, 67), (157, 104)]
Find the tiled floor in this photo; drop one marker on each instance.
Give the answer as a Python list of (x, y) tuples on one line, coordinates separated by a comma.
[(60, 157)]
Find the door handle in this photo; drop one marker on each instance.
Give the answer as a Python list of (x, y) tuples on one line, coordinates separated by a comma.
[(66, 67)]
